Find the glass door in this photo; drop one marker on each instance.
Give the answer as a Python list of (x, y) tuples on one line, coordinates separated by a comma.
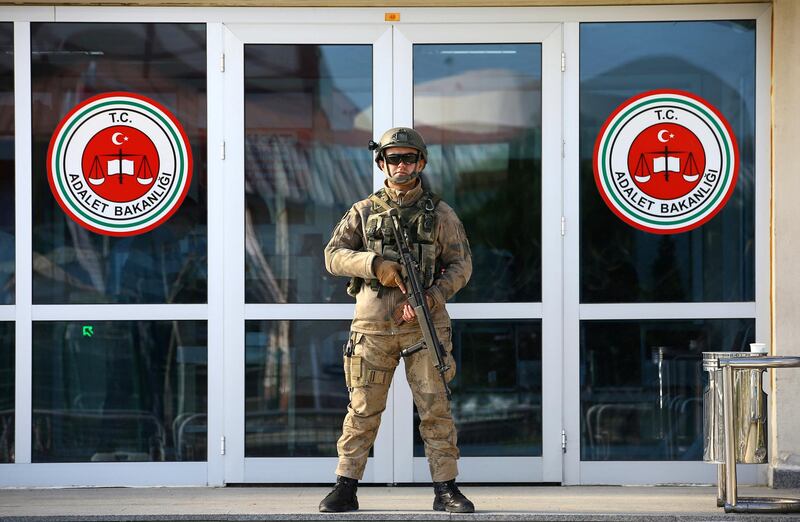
[(298, 119), (301, 105), (487, 98), (641, 308)]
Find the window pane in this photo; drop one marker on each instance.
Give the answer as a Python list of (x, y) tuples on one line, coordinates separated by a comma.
[(295, 394), (715, 262), (479, 107), (642, 385), (497, 391), (7, 248), (115, 391), (308, 119), (70, 62), (7, 392)]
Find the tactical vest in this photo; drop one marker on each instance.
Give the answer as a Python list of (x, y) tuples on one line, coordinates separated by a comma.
[(419, 220)]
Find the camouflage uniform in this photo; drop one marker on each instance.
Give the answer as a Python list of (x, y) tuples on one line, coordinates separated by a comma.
[(378, 340)]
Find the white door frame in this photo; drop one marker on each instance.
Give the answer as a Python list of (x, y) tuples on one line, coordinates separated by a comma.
[(499, 469), (298, 470), (656, 472), (24, 473)]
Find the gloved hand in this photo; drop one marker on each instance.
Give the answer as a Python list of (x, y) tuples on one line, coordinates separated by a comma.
[(388, 273)]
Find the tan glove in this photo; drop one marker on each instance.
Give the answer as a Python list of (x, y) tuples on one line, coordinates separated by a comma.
[(388, 273)]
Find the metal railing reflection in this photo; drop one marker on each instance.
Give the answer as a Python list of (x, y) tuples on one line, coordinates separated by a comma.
[(7, 435), (659, 420), (99, 435), (303, 432)]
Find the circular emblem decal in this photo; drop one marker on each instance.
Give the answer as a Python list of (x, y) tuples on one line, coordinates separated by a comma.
[(119, 164), (666, 161)]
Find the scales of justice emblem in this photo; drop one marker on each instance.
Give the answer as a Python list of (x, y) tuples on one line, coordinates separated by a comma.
[(666, 161), (119, 164)]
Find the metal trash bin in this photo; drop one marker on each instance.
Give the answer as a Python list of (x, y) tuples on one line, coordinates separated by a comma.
[(749, 407)]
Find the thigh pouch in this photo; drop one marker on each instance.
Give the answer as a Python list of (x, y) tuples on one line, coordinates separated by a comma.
[(358, 372)]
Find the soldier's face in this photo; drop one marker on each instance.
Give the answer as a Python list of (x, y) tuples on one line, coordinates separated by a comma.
[(402, 168)]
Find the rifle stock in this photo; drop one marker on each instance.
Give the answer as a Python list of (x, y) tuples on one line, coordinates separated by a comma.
[(416, 298)]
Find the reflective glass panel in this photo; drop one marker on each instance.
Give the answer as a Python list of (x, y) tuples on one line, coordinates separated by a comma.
[(308, 118), (7, 392), (714, 60), (7, 248), (295, 394), (71, 62), (497, 390), (479, 108), (119, 391), (642, 385)]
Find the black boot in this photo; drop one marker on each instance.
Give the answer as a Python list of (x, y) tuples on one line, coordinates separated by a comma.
[(449, 498), (342, 498)]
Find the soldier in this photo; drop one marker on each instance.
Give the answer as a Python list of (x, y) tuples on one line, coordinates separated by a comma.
[(362, 248)]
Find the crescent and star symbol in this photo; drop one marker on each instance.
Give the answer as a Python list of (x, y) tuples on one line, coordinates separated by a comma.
[(125, 138), (661, 135)]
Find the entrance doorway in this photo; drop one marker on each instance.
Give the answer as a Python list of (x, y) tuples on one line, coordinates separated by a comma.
[(300, 106)]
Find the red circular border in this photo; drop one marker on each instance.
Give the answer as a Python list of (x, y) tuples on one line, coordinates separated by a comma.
[(624, 105), (189, 164)]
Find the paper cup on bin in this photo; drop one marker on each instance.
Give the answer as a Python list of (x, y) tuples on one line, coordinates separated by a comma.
[(758, 348)]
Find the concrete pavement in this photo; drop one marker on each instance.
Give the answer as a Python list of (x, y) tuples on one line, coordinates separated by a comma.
[(512, 503)]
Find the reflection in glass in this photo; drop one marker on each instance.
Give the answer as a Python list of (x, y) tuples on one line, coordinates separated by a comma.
[(71, 62), (642, 385), (479, 107), (295, 396), (308, 118), (715, 262), (115, 391), (497, 391), (7, 392), (7, 248)]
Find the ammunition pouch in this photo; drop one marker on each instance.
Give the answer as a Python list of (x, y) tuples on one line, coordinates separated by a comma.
[(420, 223)]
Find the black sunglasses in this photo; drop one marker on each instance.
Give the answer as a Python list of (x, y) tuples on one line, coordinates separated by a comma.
[(409, 158)]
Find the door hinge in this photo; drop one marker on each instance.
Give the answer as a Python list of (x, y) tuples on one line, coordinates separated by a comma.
[(563, 441), (563, 148), (563, 61), (222, 62), (222, 445), (563, 231), (222, 150)]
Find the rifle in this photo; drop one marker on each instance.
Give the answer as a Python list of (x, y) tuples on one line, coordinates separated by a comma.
[(416, 298)]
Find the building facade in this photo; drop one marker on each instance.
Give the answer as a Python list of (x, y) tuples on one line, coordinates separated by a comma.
[(204, 346)]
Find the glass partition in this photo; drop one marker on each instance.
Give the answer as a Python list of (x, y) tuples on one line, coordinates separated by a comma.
[(7, 392), (308, 119), (119, 391), (295, 394), (479, 108), (642, 385), (497, 391), (7, 247), (714, 60), (71, 62)]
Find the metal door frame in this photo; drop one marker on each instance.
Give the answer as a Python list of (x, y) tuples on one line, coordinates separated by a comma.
[(238, 468), (226, 312), (546, 468)]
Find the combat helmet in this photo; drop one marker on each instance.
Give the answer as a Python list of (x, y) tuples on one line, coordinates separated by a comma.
[(399, 137)]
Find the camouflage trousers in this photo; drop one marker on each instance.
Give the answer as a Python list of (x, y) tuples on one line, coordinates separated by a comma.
[(368, 372)]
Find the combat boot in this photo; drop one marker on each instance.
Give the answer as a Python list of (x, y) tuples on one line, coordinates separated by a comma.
[(342, 498), (449, 498)]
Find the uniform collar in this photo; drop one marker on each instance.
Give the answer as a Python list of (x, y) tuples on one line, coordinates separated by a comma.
[(404, 198)]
